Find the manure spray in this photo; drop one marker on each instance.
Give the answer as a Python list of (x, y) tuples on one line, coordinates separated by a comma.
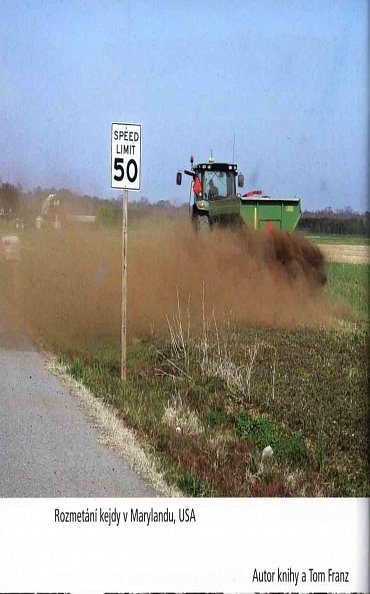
[(231, 274)]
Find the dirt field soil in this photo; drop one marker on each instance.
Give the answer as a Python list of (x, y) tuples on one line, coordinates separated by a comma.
[(351, 254)]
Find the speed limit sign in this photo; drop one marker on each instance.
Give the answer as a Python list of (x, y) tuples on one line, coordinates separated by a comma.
[(126, 156)]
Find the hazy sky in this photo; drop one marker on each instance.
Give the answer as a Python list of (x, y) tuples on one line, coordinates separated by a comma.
[(289, 78)]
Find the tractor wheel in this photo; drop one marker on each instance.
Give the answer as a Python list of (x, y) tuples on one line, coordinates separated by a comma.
[(202, 223)]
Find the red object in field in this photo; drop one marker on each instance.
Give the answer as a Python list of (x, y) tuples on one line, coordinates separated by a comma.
[(197, 186), (253, 193), (269, 226), (9, 248)]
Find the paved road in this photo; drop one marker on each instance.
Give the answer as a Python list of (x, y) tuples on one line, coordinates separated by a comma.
[(48, 447)]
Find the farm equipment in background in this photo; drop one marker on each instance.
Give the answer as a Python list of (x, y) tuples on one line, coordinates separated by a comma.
[(54, 214), (51, 213), (214, 199)]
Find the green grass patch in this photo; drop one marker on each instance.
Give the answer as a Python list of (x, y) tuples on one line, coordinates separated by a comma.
[(287, 445), (350, 283), (216, 418), (193, 486)]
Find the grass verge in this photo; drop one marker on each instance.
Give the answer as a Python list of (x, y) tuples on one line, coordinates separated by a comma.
[(208, 406)]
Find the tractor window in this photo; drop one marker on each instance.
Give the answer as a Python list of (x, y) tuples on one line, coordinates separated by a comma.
[(218, 184)]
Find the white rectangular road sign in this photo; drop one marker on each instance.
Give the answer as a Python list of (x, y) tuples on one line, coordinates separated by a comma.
[(126, 156)]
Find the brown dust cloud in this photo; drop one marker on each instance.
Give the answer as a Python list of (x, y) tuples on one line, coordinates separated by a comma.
[(69, 285)]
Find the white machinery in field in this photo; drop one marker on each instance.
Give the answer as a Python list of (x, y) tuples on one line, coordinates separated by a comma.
[(53, 214)]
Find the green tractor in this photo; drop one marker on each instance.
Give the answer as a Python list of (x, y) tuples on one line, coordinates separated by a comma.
[(214, 199)]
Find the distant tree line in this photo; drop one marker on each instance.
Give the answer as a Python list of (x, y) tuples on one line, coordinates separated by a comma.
[(10, 198), (339, 222), (110, 212), (26, 205)]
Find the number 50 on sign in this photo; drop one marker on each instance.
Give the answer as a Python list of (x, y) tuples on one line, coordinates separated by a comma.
[(126, 156)]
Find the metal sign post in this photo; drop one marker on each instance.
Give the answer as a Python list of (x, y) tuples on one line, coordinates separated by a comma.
[(124, 286), (125, 175)]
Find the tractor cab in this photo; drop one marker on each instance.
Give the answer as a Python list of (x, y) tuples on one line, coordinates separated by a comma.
[(217, 181), (213, 188)]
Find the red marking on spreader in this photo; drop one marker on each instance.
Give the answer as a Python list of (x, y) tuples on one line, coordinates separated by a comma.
[(253, 193)]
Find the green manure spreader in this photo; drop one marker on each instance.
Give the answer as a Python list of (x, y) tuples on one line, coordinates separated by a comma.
[(214, 199)]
